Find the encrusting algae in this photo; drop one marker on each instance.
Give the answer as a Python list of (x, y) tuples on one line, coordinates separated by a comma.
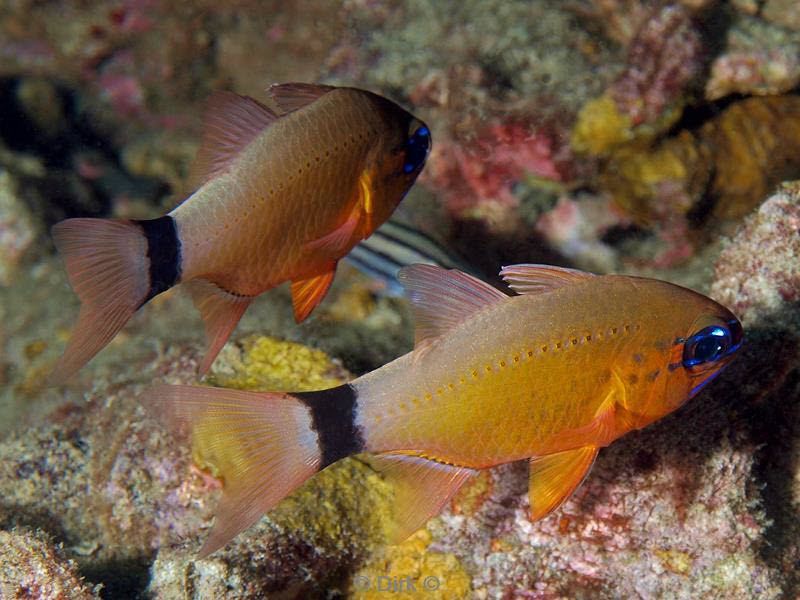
[(266, 363), (409, 571), (700, 179)]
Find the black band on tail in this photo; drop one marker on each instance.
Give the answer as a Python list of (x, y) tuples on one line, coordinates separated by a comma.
[(164, 252), (333, 417)]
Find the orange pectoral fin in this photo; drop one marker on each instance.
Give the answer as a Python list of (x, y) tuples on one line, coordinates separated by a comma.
[(421, 489), (335, 244), (358, 225), (554, 477), (307, 293)]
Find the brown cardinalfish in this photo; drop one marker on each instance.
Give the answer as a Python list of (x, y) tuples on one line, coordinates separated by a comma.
[(280, 196), (550, 375)]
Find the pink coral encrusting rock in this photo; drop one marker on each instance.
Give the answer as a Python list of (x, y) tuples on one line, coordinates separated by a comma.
[(766, 278), (32, 567), (476, 179), (663, 58), (759, 58)]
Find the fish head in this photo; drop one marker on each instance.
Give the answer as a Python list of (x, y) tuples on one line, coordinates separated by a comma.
[(399, 162), (697, 338), (709, 346)]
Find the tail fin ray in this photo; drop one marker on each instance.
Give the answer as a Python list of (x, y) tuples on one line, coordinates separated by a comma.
[(261, 445), (107, 266)]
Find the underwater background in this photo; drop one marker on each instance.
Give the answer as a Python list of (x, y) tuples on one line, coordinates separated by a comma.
[(632, 136)]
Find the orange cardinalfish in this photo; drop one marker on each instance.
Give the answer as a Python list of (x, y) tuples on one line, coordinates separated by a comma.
[(280, 196), (551, 375)]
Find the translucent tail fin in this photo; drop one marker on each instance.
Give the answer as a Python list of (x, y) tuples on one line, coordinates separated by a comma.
[(261, 445), (107, 266)]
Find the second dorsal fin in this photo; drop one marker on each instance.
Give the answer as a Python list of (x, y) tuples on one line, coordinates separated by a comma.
[(534, 279), (231, 123), (442, 298)]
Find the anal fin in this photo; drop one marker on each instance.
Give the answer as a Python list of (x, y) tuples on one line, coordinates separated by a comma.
[(307, 293), (554, 477), (421, 489), (221, 312)]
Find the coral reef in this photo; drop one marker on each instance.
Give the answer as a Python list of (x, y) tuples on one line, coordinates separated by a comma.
[(571, 125), (758, 273), (664, 57), (759, 58), (267, 364), (411, 571), (702, 179), (123, 487), (33, 568), (501, 94), (148, 65), (782, 12), (575, 227), (721, 170), (18, 229), (476, 180)]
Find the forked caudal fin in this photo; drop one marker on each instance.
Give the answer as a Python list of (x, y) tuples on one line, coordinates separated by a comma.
[(114, 266), (261, 445)]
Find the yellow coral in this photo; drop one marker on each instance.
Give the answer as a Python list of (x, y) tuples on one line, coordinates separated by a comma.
[(268, 364), (409, 571), (601, 127), (731, 163), (636, 176), (675, 560), (347, 501)]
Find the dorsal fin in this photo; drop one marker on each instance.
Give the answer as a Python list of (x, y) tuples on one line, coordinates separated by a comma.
[(231, 123), (442, 298), (534, 279), (292, 96)]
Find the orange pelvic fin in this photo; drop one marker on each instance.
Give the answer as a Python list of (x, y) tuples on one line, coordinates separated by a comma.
[(292, 96), (441, 299), (107, 266), (421, 489), (231, 123), (221, 311), (260, 445), (553, 478), (307, 293), (534, 279)]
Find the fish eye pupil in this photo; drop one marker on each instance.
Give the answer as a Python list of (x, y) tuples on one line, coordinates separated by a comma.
[(707, 345), (417, 148)]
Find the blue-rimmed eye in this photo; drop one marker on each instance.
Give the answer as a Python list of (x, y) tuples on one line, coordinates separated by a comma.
[(707, 345), (417, 148)]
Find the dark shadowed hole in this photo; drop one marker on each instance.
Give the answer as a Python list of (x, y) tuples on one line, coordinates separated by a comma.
[(121, 579)]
